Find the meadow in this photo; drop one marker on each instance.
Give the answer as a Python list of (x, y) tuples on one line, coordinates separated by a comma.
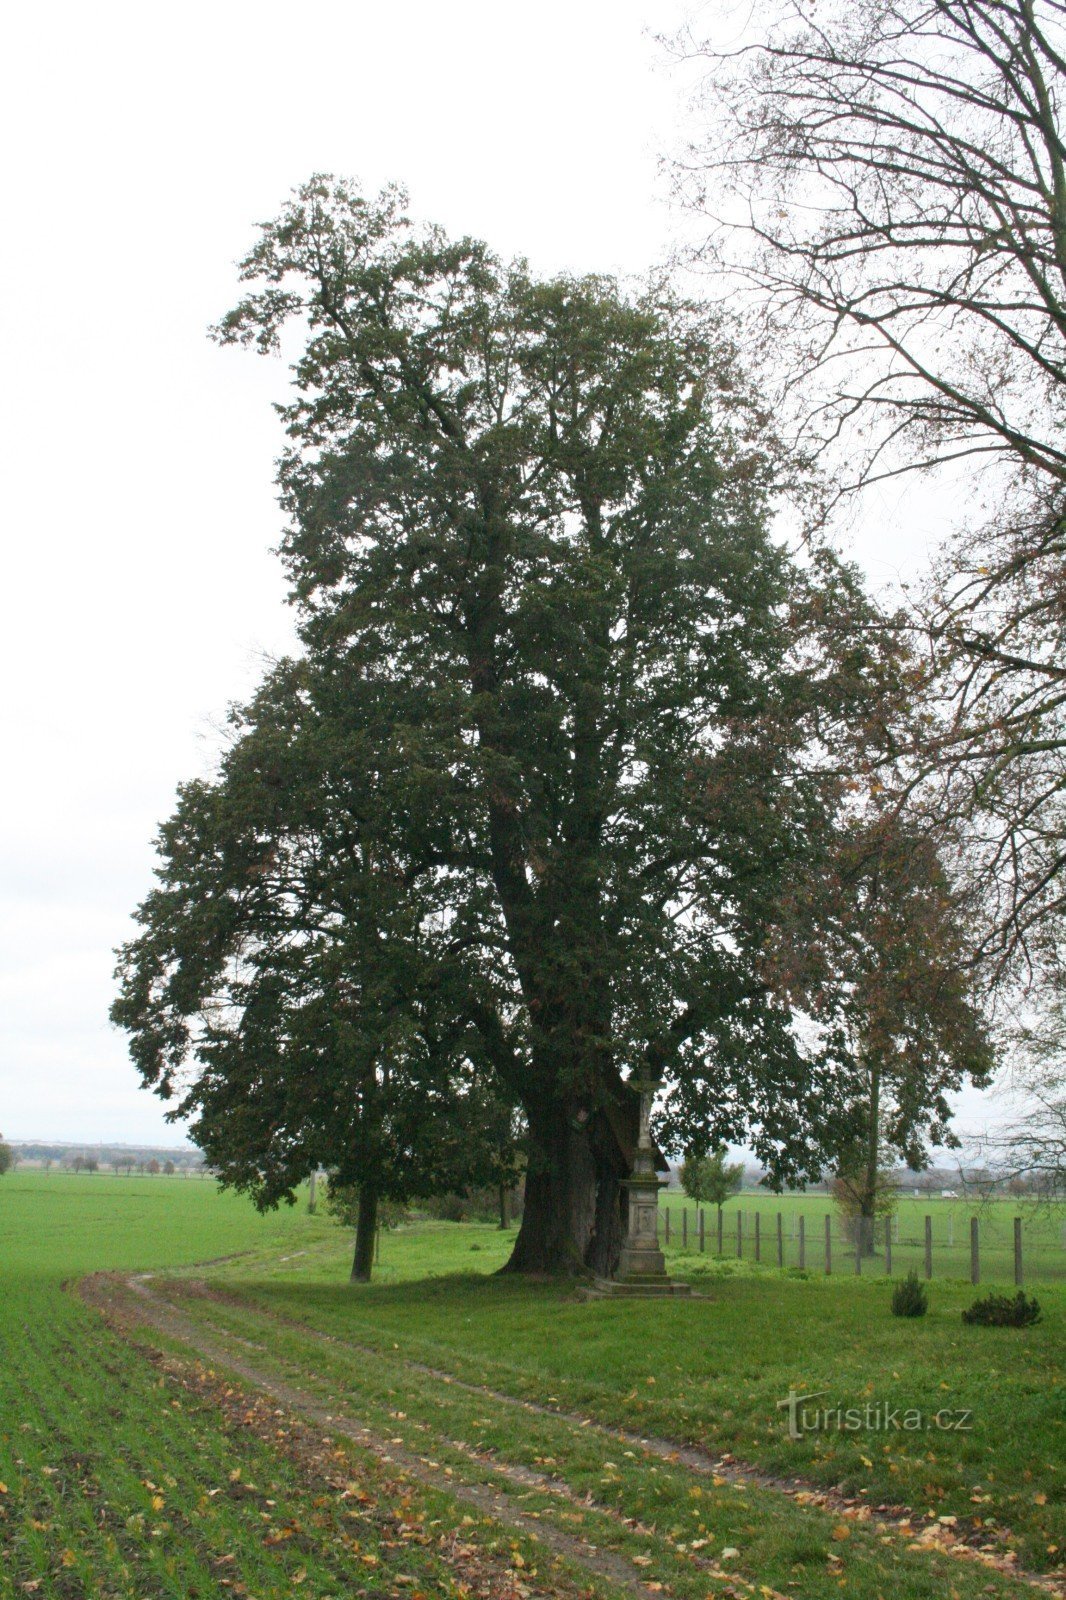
[(257, 1427)]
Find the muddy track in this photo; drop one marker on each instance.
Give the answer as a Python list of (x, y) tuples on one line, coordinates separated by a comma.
[(161, 1312)]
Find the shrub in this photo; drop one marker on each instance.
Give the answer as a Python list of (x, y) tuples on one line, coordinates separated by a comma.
[(342, 1203), (1004, 1311), (909, 1297), (475, 1205)]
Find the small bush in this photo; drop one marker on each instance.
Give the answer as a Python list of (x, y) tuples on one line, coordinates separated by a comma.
[(909, 1297), (1004, 1311)]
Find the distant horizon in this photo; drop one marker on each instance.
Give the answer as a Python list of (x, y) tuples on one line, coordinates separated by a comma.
[(101, 1144)]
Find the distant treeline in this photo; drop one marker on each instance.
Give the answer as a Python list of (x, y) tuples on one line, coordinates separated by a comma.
[(109, 1157)]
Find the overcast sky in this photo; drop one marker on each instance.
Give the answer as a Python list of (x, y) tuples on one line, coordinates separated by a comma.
[(141, 144)]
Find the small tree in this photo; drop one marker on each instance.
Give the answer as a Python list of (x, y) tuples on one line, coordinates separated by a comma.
[(711, 1179), (168, 1169), (7, 1158)]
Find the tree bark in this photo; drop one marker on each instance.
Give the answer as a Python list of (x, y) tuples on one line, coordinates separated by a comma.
[(365, 1228), (868, 1199), (572, 1215)]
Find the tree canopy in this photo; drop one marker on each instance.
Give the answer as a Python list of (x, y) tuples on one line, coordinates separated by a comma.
[(516, 827), (711, 1179)]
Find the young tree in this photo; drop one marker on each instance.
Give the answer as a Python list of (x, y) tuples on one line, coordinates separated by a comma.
[(877, 941), (711, 1179), (7, 1157), (889, 178), (574, 697)]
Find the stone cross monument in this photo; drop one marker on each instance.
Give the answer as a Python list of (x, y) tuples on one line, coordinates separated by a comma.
[(642, 1266)]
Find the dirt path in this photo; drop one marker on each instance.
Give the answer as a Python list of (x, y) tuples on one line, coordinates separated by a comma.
[(136, 1299), (110, 1295), (895, 1520)]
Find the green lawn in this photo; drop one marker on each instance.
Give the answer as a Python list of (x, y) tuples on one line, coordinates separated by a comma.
[(93, 1433)]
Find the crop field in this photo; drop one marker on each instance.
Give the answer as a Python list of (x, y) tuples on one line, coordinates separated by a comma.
[(1043, 1230), (255, 1427)]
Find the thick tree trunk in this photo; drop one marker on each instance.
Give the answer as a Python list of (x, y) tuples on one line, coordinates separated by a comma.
[(572, 1216), (504, 1219), (365, 1228)]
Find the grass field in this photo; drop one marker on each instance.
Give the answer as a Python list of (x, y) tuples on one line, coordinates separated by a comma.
[(333, 1441), (1043, 1229), (1043, 1234)]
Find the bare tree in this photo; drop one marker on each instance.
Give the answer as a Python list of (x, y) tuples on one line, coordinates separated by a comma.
[(890, 176), (886, 179), (1030, 1149)]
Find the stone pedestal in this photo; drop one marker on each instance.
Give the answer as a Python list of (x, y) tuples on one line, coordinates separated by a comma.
[(641, 1257), (642, 1266)]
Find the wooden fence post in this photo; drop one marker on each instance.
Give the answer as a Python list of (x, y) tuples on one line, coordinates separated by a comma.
[(1018, 1251), (720, 1222), (758, 1240), (684, 1227), (802, 1242), (860, 1240), (888, 1246), (780, 1240), (975, 1256), (740, 1233), (666, 1224), (703, 1235), (828, 1244), (929, 1247)]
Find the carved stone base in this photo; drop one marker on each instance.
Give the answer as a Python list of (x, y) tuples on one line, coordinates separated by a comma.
[(653, 1288)]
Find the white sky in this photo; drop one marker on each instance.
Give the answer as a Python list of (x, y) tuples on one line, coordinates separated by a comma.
[(141, 144)]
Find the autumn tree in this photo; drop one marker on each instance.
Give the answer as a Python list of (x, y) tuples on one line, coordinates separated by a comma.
[(578, 705), (875, 942), (883, 184)]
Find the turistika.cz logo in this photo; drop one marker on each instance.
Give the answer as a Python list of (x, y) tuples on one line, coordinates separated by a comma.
[(876, 1416)]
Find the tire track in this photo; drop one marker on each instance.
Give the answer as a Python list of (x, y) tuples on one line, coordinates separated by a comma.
[(893, 1520)]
